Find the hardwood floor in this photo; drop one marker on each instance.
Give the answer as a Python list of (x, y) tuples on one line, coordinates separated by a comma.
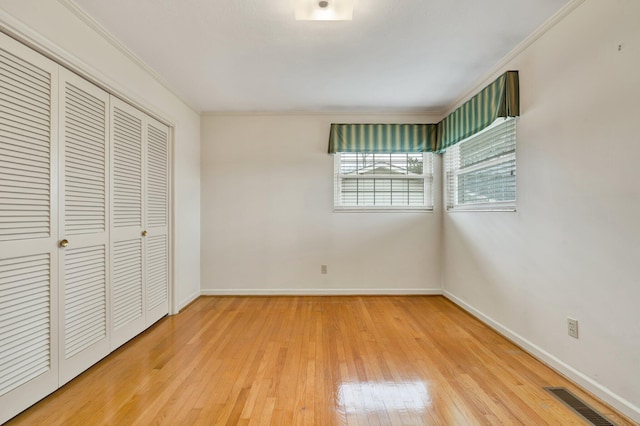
[(314, 360)]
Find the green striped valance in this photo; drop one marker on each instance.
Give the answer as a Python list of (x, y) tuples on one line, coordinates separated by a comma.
[(499, 99), (382, 138)]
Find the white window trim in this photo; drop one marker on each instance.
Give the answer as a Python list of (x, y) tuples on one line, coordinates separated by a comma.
[(426, 176)]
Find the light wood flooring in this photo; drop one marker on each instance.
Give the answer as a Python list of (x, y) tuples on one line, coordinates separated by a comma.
[(373, 360)]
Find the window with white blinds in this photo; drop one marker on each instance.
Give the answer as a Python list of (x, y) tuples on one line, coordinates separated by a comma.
[(481, 170), (370, 182)]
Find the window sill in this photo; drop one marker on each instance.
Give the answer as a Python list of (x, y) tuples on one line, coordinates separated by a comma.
[(382, 210), (485, 209)]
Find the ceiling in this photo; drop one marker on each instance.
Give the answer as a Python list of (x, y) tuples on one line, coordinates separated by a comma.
[(252, 55)]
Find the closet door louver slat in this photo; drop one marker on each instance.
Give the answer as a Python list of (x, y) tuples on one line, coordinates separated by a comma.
[(127, 170), (157, 185), (25, 121), (85, 299), (84, 165), (24, 354), (157, 277), (127, 282)]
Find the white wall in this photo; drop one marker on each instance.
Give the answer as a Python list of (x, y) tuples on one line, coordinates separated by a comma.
[(573, 247), (54, 27), (268, 221)]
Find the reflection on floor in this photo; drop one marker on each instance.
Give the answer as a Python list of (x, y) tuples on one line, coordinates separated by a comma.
[(371, 397)]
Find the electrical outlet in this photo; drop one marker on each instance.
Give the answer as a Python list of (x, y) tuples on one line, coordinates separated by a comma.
[(323, 269), (572, 327)]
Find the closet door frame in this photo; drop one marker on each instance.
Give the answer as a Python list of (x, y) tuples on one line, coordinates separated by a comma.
[(24, 395), (78, 362)]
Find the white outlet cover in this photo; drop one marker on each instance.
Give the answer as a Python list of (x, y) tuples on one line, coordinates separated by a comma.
[(572, 327)]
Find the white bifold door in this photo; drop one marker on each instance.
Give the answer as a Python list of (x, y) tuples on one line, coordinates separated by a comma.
[(127, 281), (139, 226), (84, 230), (28, 227), (84, 225), (156, 220)]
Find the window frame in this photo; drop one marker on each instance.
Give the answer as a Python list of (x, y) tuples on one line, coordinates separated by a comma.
[(451, 175), (427, 177)]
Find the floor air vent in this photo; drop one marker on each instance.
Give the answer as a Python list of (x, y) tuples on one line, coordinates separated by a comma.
[(580, 407)]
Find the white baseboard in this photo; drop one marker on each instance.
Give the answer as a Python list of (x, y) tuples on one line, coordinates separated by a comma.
[(320, 292), (189, 299), (590, 385)]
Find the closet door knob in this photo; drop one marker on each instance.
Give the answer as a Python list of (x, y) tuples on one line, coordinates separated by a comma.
[(144, 233), (64, 243)]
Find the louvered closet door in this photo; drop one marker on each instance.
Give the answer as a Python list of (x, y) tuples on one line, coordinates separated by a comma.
[(84, 223), (157, 220), (28, 227), (128, 302)]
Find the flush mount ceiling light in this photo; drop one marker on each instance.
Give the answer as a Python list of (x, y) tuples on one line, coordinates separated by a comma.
[(324, 10)]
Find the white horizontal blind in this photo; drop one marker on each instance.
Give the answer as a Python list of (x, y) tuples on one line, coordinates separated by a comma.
[(24, 319), (25, 132), (481, 170), (367, 181)]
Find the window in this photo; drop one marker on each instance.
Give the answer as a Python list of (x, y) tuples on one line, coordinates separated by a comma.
[(370, 182), (481, 170)]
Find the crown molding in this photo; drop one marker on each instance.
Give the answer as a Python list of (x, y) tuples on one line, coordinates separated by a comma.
[(26, 35), (81, 14), (499, 68), (391, 113)]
